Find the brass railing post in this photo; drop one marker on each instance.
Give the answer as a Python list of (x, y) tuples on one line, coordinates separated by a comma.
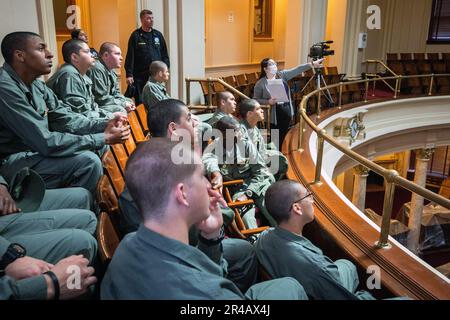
[(210, 92), (366, 99), (431, 85), (319, 157), (397, 80), (188, 91), (318, 103), (387, 210), (301, 124), (340, 95)]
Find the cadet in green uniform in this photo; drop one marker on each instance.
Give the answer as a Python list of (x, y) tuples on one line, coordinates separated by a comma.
[(284, 252), (105, 83), (157, 262), (226, 106), (239, 159), (252, 113), (42, 237), (155, 89), (167, 119), (38, 131), (71, 84)]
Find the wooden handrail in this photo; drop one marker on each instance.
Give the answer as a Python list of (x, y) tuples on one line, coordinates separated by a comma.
[(390, 176)]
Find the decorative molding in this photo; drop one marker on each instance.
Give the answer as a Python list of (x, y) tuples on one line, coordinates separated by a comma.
[(47, 28), (424, 154), (361, 171)]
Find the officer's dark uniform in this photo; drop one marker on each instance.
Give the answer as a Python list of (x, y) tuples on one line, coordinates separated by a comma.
[(143, 49)]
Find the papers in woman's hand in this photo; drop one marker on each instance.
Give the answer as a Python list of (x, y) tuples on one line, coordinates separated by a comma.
[(277, 90)]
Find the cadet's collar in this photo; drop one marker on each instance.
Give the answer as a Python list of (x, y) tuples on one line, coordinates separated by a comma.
[(246, 125), (161, 84), (186, 253), (13, 74), (70, 67), (290, 236)]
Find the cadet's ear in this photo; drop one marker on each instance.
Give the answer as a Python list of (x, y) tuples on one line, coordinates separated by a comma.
[(172, 127), (180, 195), (297, 209), (20, 55), (74, 57)]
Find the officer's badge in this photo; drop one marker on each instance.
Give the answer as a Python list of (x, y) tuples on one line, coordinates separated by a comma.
[(156, 41)]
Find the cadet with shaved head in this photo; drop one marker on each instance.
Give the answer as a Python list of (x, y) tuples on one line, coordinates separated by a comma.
[(105, 82), (71, 84)]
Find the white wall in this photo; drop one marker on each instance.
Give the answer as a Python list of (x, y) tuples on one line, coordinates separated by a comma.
[(17, 15)]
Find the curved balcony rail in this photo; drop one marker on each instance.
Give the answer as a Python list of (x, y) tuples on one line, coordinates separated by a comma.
[(391, 177)]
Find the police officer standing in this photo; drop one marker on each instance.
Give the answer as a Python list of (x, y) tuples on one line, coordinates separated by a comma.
[(145, 46)]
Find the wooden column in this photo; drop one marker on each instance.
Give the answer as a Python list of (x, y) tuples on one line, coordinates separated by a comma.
[(360, 186), (423, 156)]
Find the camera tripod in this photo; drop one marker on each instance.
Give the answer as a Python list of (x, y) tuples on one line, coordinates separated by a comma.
[(319, 79)]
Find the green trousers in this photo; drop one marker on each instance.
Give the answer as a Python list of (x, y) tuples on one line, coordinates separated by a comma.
[(77, 198), (82, 170), (52, 235), (278, 289)]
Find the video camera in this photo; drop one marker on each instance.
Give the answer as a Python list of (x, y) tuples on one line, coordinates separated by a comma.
[(320, 50)]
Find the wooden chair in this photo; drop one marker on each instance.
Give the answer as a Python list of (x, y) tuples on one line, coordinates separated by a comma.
[(405, 56), (231, 81), (136, 129), (142, 116), (120, 154), (113, 172), (130, 145), (445, 188), (391, 56), (106, 197), (237, 228), (332, 71), (241, 82), (108, 238), (433, 56), (251, 77), (419, 56)]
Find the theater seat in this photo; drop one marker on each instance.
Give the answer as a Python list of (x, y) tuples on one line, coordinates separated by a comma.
[(108, 238)]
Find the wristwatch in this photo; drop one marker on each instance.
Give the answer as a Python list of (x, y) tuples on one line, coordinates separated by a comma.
[(14, 252), (249, 193), (212, 242)]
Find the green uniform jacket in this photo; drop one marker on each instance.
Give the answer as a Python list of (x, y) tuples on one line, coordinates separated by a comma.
[(216, 117), (75, 90), (153, 93), (267, 151), (105, 87), (33, 120), (34, 288), (285, 254), (147, 265), (248, 165)]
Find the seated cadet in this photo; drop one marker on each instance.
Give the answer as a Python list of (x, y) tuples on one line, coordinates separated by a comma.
[(171, 119), (157, 261), (237, 160), (71, 84), (105, 82), (81, 35), (155, 89), (38, 131), (284, 252), (33, 243), (252, 113), (226, 106)]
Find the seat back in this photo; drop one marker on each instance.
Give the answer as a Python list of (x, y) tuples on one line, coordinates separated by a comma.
[(113, 173), (445, 188), (108, 238), (136, 129), (142, 116), (106, 197), (237, 228)]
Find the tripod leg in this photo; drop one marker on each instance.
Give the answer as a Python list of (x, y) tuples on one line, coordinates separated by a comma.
[(328, 93)]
